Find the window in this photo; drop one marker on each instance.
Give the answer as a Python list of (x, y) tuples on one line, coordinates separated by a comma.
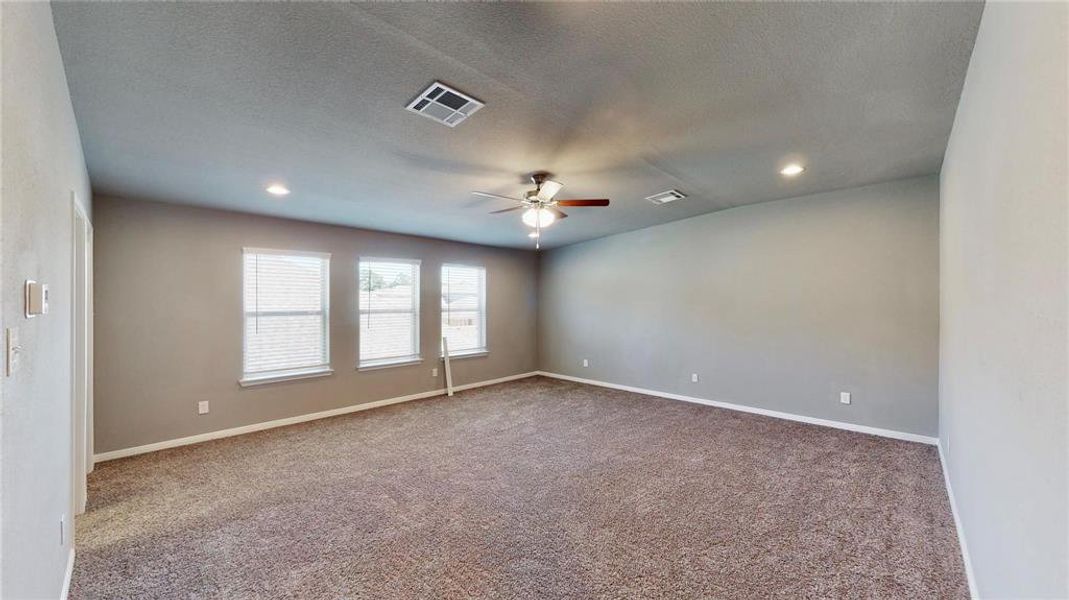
[(464, 309), (389, 311), (286, 315)]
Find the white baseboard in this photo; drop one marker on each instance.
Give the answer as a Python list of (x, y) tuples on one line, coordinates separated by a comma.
[(223, 433), (957, 525), (889, 433), (67, 577)]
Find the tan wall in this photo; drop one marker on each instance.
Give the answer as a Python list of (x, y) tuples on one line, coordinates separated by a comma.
[(169, 327)]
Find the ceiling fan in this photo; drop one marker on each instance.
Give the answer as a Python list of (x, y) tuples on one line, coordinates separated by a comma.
[(541, 207)]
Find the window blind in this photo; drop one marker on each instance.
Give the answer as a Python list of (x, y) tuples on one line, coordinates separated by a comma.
[(286, 313), (464, 308), (388, 310)]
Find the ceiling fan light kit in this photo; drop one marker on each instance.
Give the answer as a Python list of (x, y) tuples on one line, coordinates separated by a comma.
[(539, 218), (541, 207)]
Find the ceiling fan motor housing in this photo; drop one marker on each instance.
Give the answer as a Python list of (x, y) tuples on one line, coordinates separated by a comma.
[(538, 177)]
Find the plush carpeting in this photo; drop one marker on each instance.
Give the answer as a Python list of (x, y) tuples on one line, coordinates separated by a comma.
[(532, 489)]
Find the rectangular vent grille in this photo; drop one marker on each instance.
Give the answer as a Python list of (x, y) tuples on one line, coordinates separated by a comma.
[(444, 104), (666, 197)]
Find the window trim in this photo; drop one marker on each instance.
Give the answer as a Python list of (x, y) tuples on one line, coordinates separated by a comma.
[(253, 379), (291, 375), (466, 354), (483, 349), (395, 361), (386, 363)]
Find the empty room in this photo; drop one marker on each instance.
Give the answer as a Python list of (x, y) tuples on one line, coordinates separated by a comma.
[(340, 300)]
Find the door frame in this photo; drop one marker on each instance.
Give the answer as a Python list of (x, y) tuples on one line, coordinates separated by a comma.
[(81, 352)]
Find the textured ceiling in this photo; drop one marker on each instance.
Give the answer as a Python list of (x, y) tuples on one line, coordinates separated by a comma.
[(206, 103)]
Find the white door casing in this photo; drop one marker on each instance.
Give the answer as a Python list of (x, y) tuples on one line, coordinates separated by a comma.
[(81, 353)]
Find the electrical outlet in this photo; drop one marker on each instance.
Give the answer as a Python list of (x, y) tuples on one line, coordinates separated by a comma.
[(434, 372), (844, 397), (202, 407), (694, 378), (586, 363)]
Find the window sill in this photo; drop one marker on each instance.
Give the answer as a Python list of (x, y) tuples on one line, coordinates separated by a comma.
[(467, 354), (293, 375), (373, 365)]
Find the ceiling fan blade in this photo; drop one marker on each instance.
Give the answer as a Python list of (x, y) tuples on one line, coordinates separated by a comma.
[(494, 212), (587, 202), (499, 196), (548, 189), (556, 212)]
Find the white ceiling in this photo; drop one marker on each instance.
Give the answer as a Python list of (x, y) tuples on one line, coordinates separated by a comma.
[(206, 103)]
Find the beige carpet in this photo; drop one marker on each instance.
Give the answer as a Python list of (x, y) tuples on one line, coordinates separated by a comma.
[(532, 489)]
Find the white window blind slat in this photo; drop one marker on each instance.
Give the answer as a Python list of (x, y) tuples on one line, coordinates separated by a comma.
[(388, 306), (286, 313), (464, 308)]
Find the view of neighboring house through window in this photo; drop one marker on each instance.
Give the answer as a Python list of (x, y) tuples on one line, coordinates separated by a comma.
[(464, 308), (286, 306), (388, 311)]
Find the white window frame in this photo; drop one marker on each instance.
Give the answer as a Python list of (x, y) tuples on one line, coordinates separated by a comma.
[(382, 363), (302, 373), (484, 349)]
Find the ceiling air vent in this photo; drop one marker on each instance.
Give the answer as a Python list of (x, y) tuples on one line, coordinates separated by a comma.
[(666, 197), (444, 104)]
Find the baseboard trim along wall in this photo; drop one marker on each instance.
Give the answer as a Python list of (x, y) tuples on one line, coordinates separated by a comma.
[(65, 592), (957, 525), (889, 433), (224, 433)]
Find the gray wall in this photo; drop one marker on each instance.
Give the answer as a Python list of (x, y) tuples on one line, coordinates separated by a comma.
[(779, 306), (168, 319), (42, 164), (1003, 386)]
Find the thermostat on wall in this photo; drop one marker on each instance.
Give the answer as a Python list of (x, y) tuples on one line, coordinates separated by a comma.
[(36, 298)]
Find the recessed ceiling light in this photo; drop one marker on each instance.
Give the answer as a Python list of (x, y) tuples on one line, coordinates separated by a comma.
[(277, 189), (792, 169)]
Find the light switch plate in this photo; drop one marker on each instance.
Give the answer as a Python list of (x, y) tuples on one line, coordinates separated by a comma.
[(36, 298), (13, 350)]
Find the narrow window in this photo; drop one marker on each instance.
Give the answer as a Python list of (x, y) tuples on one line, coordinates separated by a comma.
[(464, 309), (388, 306)]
